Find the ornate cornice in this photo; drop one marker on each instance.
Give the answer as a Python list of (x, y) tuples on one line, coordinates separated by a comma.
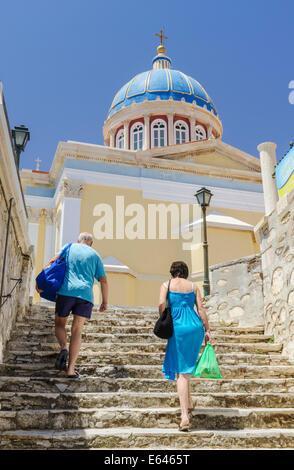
[(72, 188), (156, 107), (35, 213)]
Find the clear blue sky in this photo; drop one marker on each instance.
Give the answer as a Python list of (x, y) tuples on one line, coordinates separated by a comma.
[(62, 61)]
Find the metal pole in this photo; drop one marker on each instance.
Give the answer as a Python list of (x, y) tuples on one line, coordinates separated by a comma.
[(5, 249), (17, 152), (206, 284)]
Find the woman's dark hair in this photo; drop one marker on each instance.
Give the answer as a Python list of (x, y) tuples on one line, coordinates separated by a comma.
[(179, 269)]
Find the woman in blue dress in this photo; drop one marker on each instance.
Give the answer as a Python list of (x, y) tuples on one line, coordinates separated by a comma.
[(190, 328)]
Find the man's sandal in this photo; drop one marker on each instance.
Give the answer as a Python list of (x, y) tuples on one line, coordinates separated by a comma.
[(60, 362), (74, 376)]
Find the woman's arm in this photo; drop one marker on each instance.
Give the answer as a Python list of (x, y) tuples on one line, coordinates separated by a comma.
[(203, 315), (162, 298)]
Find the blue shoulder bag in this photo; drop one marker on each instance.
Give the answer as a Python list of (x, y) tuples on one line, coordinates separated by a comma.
[(50, 279)]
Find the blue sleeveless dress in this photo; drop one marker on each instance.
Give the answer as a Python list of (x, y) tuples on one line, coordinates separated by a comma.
[(183, 347)]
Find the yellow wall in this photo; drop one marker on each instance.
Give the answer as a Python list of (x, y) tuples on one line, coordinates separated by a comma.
[(215, 159), (151, 259), (142, 256)]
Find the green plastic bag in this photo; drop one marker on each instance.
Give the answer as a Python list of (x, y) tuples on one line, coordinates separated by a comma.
[(207, 366)]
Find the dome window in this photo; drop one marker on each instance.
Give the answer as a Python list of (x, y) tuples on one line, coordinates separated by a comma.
[(181, 132), (158, 133), (120, 139), (200, 133), (137, 131)]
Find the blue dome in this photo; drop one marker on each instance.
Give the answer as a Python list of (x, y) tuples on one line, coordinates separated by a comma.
[(164, 83)]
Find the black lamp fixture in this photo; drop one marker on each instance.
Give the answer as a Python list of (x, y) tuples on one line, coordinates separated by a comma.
[(20, 136), (203, 197)]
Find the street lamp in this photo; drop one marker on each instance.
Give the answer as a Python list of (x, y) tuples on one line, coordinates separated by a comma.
[(21, 136), (203, 198)]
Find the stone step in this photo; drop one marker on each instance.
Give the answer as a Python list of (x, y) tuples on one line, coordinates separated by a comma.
[(17, 401), (116, 356), (119, 319), (130, 438), (85, 366), (108, 316), (35, 328), (103, 384), (95, 331), (200, 418), (263, 349), (50, 307)]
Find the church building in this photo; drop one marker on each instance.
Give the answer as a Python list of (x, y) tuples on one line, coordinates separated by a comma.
[(136, 193)]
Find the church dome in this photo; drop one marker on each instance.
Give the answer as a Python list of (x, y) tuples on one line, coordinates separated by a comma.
[(163, 84), (160, 107)]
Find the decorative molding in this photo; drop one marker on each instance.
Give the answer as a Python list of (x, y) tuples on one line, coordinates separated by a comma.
[(72, 188), (35, 213), (157, 157), (170, 190), (160, 106)]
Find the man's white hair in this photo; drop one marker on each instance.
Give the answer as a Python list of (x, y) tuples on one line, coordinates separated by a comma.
[(85, 237)]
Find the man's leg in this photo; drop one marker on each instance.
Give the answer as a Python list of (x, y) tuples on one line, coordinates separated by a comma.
[(60, 331), (75, 342)]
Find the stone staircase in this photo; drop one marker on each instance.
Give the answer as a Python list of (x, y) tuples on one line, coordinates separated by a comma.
[(123, 401)]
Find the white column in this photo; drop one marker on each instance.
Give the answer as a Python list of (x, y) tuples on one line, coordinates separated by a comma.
[(192, 129), (170, 117), (268, 160), (146, 144), (49, 242), (111, 138), (71, 210), (70, 220), (126, 135), (209, 131)]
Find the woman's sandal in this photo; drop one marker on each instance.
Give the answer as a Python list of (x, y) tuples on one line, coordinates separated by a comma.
[(184, 428)]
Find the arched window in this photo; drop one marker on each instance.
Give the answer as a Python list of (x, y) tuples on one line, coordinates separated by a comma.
[(137, 131), (158, 133), (181, 132), (200, 133), (120, 139)]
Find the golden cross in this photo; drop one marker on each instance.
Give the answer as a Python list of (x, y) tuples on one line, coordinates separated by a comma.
[(162, 37)]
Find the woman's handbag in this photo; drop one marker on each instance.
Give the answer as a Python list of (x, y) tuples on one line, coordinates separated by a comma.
[(207, 366), (50, 279), (164, 325)]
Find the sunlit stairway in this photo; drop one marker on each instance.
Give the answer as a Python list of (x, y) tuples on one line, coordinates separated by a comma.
[(122, 400)]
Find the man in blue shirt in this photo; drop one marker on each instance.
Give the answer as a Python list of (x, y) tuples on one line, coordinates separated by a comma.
[(84, 265)]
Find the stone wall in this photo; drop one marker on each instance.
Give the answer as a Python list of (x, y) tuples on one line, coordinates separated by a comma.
[(276, 232), (236, 293), (19, 258)]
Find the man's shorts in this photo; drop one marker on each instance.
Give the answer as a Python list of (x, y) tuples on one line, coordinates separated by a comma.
[(66, 304)]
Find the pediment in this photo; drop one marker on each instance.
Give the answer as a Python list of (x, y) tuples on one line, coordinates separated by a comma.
[(216, 154)]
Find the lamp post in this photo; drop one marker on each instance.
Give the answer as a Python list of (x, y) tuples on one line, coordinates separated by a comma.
[(21, 136), (203, 198)]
